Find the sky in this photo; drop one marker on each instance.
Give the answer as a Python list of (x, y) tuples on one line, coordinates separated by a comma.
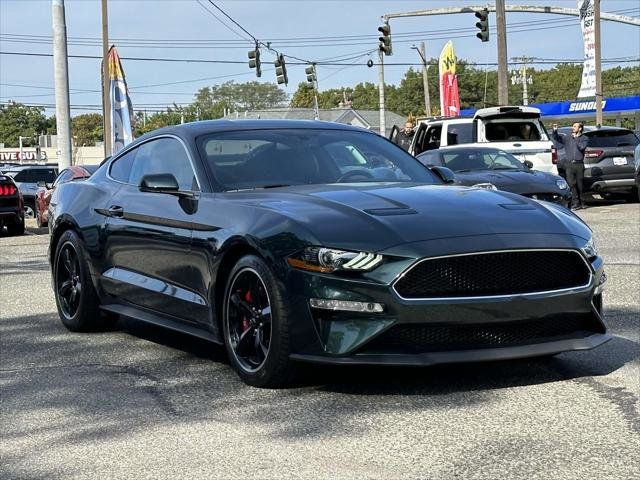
[(195, 29)]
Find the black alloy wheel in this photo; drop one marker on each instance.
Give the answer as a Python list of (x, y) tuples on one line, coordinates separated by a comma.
[(77, 301), (255, 323), (68, 284), (249, 319)]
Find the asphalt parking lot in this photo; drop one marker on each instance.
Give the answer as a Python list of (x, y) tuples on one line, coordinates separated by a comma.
[(138, 402)]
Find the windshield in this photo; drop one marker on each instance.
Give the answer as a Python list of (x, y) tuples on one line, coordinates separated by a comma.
[(264, 158), (612, 138), (467, 160)]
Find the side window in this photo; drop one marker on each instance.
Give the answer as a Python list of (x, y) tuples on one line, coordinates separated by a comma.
[(21, 176), (121, 168), (459, 133), (430, 159), (64, 176), (43, 175), (164, 155)]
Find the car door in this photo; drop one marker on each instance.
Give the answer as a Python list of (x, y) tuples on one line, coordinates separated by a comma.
[(148, 249), (393, 136)]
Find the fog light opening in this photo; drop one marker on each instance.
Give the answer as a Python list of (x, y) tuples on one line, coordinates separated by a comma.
[(346, 305)]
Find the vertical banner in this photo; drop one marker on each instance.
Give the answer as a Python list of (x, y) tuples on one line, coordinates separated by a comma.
[(587, 23), (449, 98), (121, 108)]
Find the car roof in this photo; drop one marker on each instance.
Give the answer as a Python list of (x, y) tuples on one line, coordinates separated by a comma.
[(202, 127), (19, 168), (603, 128)]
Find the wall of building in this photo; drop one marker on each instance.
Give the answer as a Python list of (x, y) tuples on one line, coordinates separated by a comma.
[(81, 155)]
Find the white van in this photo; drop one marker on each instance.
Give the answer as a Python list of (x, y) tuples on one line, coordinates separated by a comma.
[(517, 130)]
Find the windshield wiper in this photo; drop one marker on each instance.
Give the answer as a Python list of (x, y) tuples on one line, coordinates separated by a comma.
[(276, 185), (505, 168)]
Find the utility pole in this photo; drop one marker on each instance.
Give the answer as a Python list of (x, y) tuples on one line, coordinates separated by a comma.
[(425, 68), (598, 54), (61, 78), (383, 129), (521, 77), (106, 106), (501, 26)]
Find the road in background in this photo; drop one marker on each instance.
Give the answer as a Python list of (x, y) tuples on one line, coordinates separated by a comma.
[(138, 402)]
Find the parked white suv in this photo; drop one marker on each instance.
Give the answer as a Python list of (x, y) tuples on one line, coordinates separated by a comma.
[(517, 130)]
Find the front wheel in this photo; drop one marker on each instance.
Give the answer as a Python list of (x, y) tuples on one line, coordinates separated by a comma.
[(256, 325)]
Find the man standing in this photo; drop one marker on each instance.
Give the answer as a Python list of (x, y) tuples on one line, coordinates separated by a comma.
[(574, 147), (405, 136)]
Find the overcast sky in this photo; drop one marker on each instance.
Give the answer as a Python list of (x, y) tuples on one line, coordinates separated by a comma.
[(173, 28)]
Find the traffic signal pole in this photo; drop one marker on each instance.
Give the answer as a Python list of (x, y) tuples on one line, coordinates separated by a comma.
[(503, 77), (383, 128)]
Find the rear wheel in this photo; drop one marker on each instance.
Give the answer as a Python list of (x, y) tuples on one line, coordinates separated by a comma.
[(256, 325), (29, 210), (76, 298), (16, 228)]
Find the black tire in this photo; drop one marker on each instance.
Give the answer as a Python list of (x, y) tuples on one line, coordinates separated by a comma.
[(16, 228), (82, 313), (29, 209), (275, 369)]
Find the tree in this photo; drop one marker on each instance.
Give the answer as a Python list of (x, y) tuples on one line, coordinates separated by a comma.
[(18, 120), (241, 96), (87, 129), (303, 98)]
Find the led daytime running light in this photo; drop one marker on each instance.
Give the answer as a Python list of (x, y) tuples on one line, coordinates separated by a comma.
[(346, 305)]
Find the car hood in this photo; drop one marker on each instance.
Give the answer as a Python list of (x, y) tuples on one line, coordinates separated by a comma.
[(516, 181), (386, 215)]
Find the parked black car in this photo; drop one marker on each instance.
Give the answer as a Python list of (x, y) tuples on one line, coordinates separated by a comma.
[(496, 169), (11, 206), (295, 241), (27, 178), (608, 160)]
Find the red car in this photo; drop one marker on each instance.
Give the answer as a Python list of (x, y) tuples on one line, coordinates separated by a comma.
[(43, 195)]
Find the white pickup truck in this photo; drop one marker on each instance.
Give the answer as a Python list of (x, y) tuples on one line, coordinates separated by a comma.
[(517, 130)]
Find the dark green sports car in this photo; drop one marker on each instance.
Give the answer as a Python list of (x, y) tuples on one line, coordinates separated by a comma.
[(302, 241)]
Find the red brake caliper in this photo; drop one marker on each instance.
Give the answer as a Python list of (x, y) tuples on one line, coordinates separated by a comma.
[(245, 323)]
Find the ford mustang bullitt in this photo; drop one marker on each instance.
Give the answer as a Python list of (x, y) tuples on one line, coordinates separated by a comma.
[(303, 241)]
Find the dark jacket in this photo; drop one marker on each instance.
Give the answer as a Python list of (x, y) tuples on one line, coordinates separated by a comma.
[(574, 147), (403, 140)]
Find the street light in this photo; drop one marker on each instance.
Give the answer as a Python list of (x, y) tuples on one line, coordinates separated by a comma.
[(425, 68)]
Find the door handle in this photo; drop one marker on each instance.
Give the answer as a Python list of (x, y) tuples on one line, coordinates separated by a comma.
[(115, 211)]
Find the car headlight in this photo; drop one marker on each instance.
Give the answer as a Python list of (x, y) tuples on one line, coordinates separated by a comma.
[(486, 186), (589, 249), (562, 185), (326, 260)]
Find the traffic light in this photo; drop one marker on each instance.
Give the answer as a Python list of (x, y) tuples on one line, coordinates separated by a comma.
[(385, 39), (254, 61), (483, 24), (311, 74), (281, 70)]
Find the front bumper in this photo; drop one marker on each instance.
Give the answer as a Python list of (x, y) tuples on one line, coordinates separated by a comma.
[(492, 324)]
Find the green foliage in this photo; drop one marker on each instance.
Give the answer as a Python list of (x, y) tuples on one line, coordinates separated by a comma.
[(87, 129), (17, 120)]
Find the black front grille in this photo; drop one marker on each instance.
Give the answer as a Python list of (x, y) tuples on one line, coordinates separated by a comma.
[(497, 273), (423, 338)]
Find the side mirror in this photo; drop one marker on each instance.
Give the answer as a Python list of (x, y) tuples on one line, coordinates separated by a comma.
[(528, 164), (162, 183), (443, 173)]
